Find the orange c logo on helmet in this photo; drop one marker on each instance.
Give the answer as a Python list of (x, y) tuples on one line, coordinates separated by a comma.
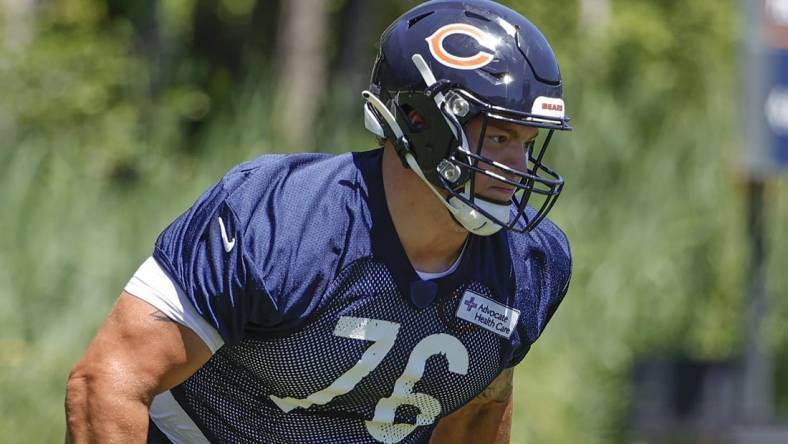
[(478, 60)]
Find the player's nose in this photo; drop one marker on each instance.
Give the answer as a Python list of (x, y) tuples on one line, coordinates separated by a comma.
[(514, 157)]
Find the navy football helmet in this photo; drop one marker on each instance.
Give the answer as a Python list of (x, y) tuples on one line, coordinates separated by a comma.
[(455, 60)]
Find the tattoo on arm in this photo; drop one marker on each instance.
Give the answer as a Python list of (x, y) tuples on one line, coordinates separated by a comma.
[(501, 388), (159, 316)]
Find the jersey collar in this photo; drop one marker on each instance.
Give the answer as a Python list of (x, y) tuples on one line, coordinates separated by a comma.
[(387, 247)]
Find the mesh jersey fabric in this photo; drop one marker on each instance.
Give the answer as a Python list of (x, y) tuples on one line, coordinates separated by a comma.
[(330, 335)]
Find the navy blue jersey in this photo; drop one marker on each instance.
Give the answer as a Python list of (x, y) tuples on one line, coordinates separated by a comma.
[(330, 335)]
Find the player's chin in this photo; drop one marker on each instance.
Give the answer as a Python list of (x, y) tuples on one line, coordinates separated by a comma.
[(498, 196)]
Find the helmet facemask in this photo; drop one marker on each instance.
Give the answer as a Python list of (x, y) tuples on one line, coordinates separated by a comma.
[(537, 186)]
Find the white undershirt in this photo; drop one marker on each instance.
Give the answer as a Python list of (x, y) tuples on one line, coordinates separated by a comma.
[(427, 276), (152, 284)]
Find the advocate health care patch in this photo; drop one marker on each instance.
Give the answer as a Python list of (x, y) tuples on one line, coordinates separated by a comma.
[(488, 314)]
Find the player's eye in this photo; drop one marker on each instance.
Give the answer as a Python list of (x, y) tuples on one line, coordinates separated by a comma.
[(498, 138)]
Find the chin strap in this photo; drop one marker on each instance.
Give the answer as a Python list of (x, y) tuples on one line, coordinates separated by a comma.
[(468, 216), (471, 219)]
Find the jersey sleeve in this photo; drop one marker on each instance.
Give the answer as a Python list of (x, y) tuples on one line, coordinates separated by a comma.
[(203, 252), (549, 270)]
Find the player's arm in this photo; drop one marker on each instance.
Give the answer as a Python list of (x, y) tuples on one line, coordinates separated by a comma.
[(137, 353), (486, 419)]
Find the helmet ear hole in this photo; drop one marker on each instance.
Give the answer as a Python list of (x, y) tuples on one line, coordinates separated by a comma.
[(416, 120)]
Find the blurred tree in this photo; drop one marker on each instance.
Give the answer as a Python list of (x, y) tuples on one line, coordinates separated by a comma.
[(18, 16), (594, 15), (144, 17), (302, 71), (359, 19)]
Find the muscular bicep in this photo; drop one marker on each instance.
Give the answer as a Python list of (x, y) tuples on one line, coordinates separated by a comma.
[(142, 349), (486, 419)]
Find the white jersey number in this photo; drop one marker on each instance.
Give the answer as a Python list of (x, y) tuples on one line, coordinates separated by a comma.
[(382, 426), (383, 334)]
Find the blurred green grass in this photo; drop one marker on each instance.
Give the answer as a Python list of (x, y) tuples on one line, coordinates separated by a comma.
[(93, 167)]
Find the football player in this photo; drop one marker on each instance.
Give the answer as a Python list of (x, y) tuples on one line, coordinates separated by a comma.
[(379, 296)]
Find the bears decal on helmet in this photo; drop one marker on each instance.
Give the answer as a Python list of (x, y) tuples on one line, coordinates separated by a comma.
[(479, 60)]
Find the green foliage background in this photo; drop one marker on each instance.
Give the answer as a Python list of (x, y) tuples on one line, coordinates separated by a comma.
[(99, 151)]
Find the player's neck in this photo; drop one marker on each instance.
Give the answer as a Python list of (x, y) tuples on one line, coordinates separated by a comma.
[(430, 237)]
